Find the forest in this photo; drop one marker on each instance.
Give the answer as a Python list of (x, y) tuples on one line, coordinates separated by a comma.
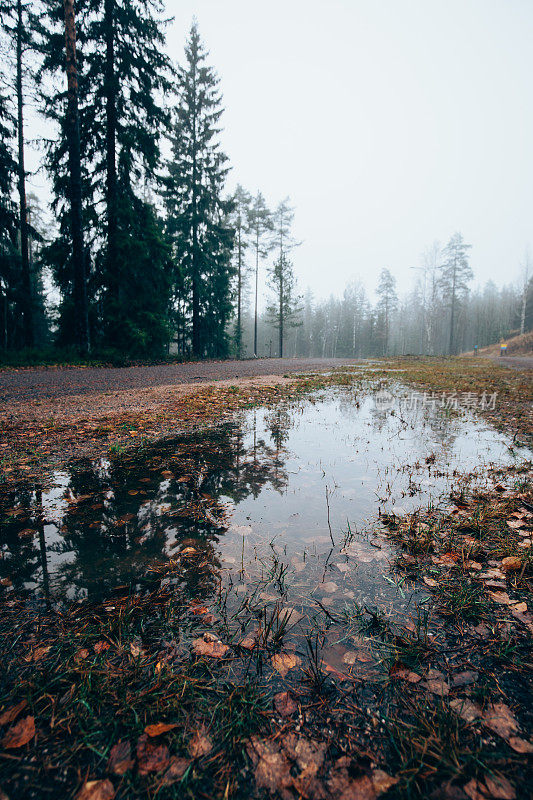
[(144, 251)]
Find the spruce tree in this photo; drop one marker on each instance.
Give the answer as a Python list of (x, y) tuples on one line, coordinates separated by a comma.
[(286, 308), (19, 24), (455, 274), (197, 213), (261, 227), (241, 224), (8, 218), (388, 301)]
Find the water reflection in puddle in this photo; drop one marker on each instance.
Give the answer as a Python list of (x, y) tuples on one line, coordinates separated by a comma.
[(281, 503)]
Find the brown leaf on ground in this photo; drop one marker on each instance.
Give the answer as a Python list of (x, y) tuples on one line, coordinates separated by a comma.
[(99, 647), (500, 597), (431, 582), (438, 686), (465, 678), (500, 719), (200, 743), (284, 704), (511, 564), (208, 648), (399, 671), (20, 734), (382, 781), (37, 654), (81, 655), (500, 788), (11, 713), (97, 790), (176, 771), (342, 786), (520, 745), (159, 727), (283, 662), (466, 709), (120, 760), (272, 769), (151, 757)]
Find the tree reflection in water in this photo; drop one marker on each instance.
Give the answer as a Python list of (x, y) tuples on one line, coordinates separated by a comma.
[(122, 517)]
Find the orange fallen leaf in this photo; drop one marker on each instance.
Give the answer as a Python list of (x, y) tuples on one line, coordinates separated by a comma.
[(209, 648), (177, 769), (20, 734), (11, 713), (283, 662), (99, 647), (97, 790), (159, 728)]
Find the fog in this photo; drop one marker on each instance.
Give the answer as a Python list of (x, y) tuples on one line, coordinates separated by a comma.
[(390, 124)]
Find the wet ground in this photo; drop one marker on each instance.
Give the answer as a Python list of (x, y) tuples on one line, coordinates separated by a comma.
[(281, 505)]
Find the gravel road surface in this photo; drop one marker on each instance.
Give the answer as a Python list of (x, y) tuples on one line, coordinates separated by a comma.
[(37, 384)]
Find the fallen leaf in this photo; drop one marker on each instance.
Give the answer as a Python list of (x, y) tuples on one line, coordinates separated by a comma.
[(511, 564), (200, 743), (466, 709), (284, 704), (151, 757), (159, 727), (11, 713), (99, 647), (283, 662), (81, 654), (465, 678), (382, 781), (97, 790), (329, 587), (20, 734), (500, 788), (438, 687), (177, 769), (272, 768), (120, 760), (210, 649), (37, 654), (343, 787), (520, 745), (431, 582), (500, 597), (500, 719)]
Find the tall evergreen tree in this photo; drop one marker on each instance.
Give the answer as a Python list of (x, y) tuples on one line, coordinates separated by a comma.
[(286, 307), (8, 225), (72, 130), (240, 220), (19, 23), (455, 274), (197, 213), (261, 227), (388, 301)]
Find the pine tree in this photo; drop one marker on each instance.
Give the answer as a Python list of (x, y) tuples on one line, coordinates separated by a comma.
[(197, 213), (388, 301), (260, 227), (19, 25), (72, 130), (455, 273), (286, 309), (8, 219), (122, 74), (240, 220)]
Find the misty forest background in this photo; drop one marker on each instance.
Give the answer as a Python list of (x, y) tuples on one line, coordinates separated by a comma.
[(144, 251)]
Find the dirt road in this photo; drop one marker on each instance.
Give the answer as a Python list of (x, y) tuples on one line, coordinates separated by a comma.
[(41, 384)]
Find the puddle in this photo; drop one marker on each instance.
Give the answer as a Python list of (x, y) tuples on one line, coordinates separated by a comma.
[(280, 502)]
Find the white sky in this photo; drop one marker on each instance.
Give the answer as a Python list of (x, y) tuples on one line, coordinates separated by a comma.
[(390, 123)]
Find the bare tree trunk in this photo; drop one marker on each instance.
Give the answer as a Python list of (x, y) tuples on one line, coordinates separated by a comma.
[(26, 297), (74, 161), (281, 310)]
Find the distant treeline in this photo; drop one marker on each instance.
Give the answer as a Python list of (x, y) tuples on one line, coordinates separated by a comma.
[(148, 254)]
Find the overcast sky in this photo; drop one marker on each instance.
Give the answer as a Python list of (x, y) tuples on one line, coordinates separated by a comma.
[(390, 123)]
